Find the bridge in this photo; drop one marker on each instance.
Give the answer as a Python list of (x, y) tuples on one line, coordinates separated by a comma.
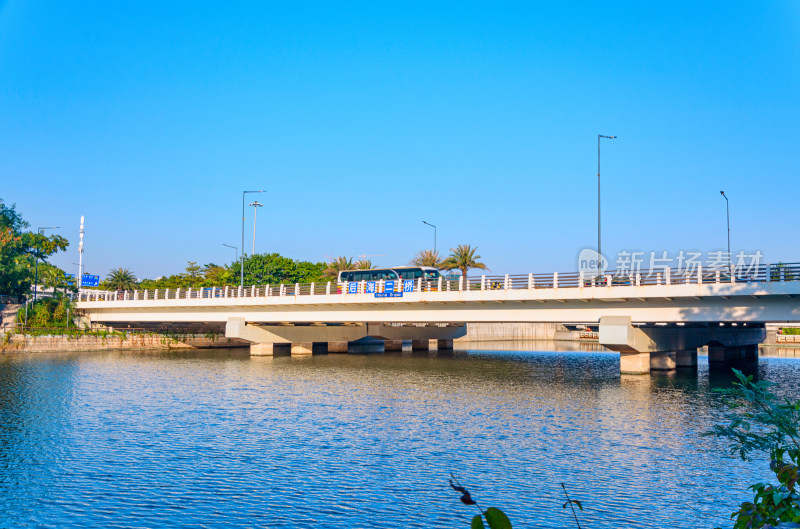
[(656, 319)]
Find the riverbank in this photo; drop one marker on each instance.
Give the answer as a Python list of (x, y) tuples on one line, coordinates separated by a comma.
[(99, 341)]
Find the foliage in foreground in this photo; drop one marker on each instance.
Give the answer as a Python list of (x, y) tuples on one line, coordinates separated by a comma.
[(20, 249), (497, 519), (761, 422), (47, 312), (493, 516)]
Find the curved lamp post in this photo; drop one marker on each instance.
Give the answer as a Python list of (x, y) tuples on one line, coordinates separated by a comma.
[(728, 215), (599, 247), (434, 233), (235, 249)]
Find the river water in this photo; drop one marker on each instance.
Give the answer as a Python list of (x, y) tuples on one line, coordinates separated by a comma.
[(219, 439)]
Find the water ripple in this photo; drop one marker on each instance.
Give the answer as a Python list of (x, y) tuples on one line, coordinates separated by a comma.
[(224, 440)]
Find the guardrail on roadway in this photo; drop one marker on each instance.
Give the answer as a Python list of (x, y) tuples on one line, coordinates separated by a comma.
[(662, 276)]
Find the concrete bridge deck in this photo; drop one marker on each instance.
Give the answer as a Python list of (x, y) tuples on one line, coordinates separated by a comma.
[(738, 302)]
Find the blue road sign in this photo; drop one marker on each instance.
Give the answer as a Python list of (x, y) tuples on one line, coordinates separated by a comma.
[(371, 287), (352, 288), (70, 278), (90, 281), (408, 285), (388, 286)]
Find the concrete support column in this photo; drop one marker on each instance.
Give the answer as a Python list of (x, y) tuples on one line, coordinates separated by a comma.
[(751, 352), (337, 347), (662, 361), (393, 345), (686, 358), (734, 353), (716, 354), (444, 344), (634, 363), (261, 349), (302, 348), (420, 345)]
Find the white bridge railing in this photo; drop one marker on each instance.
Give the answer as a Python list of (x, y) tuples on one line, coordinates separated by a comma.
[(663, 276)]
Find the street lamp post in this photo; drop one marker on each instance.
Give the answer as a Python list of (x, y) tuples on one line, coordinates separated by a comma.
[(434, 233), (728, 216), (36, 273), (235, 249), (599, 240), (256, 204), (79, 278), (242, 256)]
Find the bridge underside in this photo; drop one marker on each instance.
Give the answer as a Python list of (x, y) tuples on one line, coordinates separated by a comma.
[(649, 347)]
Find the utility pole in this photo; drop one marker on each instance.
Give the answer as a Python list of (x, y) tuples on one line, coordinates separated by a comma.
[(599, 243), (242, 262)]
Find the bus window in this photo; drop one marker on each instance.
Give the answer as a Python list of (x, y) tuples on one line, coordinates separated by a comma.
[(431, 274)]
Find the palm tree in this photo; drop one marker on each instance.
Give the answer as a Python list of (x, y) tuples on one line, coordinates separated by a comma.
[(52, 276), (463, 257), (121, 279), (337, 265), (428, 258), (363, 264)]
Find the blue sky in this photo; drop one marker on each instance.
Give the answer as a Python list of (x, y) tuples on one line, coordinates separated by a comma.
[(362, 120)]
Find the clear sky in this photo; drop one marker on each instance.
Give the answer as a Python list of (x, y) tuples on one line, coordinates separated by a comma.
[(362, 120)]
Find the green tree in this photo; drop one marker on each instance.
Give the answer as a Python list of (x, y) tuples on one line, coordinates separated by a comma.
[(120, 279), (216, 275), (428, 258), (274, 268), (48, 313), (52, 276), (463, 257), (761, 422), (339, 264), (308, 272), (19, 250), (363, 264), (193, 272)]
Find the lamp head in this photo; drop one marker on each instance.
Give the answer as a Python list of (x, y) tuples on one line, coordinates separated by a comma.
[(722, 193)]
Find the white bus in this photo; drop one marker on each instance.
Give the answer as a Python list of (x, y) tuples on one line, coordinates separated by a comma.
[(427, 273)]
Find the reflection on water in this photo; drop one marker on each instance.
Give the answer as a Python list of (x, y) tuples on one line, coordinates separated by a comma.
[(219, 439), (779, 351)]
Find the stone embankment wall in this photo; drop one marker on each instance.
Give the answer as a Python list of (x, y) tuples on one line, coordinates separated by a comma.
[(35, 344), (494, 332)]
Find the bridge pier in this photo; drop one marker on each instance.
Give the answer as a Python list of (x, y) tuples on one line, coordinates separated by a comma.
[(686, 358), (302, 348), (644, 348), (662, 361), (393, 345), (718, 354), (261, 349), (444, 344), (634, 363), (420, 345), (337, 347)]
